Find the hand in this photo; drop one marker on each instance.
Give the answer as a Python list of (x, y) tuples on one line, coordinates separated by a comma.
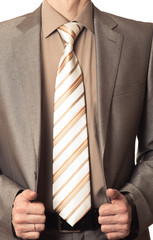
[(28, 217), (115, 217)]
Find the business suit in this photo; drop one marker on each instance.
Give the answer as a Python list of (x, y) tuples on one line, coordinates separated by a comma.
[(124, 74)]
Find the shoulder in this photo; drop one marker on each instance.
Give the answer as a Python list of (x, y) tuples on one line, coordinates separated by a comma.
[(11, 28), (125, 26)]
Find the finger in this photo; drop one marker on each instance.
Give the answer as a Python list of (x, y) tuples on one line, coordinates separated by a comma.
[(23, 228), (116, 235), (115, 219), (29, 235), (28, 219), (119, 207), (39, 227), (29, 195), (37, 219), (108, 209), (123, 228), (113, 194), (108, 220), (36, 208), (28, 208)]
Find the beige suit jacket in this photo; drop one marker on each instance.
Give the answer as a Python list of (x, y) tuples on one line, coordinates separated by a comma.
[(124, 58)]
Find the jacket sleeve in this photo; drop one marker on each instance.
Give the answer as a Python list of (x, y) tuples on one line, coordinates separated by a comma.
[(8, 190), (141, 183)]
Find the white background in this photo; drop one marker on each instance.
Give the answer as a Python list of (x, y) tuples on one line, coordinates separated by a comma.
[(135, 9)]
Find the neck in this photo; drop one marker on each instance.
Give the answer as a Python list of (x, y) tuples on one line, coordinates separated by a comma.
[(68, 8)]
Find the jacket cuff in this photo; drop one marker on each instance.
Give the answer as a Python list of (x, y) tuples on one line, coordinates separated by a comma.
[(134, 230)]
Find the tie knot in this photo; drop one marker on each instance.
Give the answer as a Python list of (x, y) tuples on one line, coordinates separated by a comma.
[(70, 31)]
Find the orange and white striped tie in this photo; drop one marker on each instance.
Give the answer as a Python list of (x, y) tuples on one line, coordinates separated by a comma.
[(71, 176)]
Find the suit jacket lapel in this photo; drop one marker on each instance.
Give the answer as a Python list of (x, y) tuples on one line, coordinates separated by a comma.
[(27, 52), (108, 51)]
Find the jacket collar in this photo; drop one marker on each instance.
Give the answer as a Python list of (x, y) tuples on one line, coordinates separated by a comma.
[(28, 54), (108, 52)]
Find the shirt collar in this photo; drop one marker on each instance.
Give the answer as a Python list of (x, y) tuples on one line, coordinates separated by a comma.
[(51, 19)]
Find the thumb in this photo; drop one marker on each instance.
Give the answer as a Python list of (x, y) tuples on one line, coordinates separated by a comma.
[(29, 195), (113, 194)]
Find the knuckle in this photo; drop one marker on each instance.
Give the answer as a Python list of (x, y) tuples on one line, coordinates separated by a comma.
[(100, 220), (41, 208), (17, 220), (17, 229), (43, 227), (20, 235), (108, 235), (17, 232), (124, 235), (102, 228), (125, 219), (21, 208), (127, 231), (40, 227), (43, 218), (100, 210), (125, 228), (37, 235), (123, 209)]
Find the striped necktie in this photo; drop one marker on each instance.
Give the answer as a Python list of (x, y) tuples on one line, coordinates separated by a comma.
[(71, 176)]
